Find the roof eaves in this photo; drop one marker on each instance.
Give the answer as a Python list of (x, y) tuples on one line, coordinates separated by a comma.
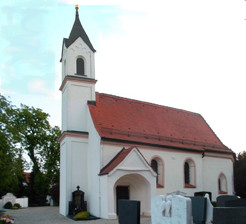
[(110, 162)]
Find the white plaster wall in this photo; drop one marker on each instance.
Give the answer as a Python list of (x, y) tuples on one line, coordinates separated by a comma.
[(22, 201), (74, 169), (213, 167), (104, 198), (109, 151), (74, 105), (70, 55), (64, 62), (207, 169), (94, 166), (63, 208)]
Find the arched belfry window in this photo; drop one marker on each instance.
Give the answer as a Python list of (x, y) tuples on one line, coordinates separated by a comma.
[(157, 166), (189, 174), (80, 66), (222, 184)]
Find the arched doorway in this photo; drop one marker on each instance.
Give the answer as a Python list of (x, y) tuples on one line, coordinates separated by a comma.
[(133, 187)]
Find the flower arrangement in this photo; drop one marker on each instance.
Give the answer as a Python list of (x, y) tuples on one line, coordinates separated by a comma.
[(6, 219)]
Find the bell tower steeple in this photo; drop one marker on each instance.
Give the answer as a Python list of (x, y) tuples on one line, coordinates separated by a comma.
[(77, 52), (78, 77)]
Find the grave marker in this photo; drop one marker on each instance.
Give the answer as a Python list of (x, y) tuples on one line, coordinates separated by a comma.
[(171, 209), (129, 211)]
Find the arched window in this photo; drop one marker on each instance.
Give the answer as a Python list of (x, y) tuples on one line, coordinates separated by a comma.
[(154, 166), (222, 184), (189, 174), (158, 167), (80, 66)]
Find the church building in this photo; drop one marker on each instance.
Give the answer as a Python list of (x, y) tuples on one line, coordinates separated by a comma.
[(118, 148)]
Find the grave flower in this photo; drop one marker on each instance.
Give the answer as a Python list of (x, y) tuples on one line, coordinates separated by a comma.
[(7, 219)]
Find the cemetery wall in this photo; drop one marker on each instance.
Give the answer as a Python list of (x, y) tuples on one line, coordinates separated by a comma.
[(22, 201)]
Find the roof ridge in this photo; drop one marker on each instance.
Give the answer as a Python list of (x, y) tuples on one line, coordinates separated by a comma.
[(148, 103)]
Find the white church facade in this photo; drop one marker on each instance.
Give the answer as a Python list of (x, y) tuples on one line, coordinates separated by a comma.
[(114, 147)]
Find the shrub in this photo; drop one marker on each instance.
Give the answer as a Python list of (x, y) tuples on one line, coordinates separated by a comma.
[(8, 205), (16, 206), (82, 215)]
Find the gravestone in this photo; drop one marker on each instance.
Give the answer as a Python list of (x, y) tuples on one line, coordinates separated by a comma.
[(236, 203), (77, 204), (171, 209), (9, 197), (129, 211), (222, 199), (199, 209), (203, 193), (209, 210), (224, 215), (177, 193)]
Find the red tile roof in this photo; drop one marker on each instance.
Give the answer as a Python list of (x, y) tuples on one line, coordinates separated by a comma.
[(130, 120), (27, 177), (116, 161)]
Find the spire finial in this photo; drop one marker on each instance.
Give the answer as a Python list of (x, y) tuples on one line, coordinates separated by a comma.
[(77, 9)]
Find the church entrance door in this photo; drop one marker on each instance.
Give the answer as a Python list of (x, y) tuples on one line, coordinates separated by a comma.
[(122, 192)]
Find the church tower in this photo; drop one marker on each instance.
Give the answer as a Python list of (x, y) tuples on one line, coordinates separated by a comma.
[(78, 87), (78, 77)]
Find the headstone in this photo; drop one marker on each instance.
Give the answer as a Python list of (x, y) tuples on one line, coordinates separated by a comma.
[(9, 197), (177, 193), (198, 209), (221, 200), (209, 210), (129, 211), (236, 203), (171, 209), (203, 193), (229, 215), (77, 204)]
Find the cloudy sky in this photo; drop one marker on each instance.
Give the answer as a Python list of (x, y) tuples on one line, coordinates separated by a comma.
[(184, 54)]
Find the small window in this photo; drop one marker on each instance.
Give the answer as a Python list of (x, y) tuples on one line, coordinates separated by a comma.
[(189, 174), (157, 166), (154, 166), (222, 184), (80, 66)]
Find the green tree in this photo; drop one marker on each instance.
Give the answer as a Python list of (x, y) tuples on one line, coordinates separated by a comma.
[(239, 174), (11, 162), (27, 130), (40, 141)]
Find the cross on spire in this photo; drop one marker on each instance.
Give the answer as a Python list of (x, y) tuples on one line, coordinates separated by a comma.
[(77, 10)]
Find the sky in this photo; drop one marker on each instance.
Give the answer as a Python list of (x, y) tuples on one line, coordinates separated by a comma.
[(188, 54)]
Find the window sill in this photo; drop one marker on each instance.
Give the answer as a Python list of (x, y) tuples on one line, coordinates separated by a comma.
[(189, 186), (159, 186), (222, 192), (80, 75)]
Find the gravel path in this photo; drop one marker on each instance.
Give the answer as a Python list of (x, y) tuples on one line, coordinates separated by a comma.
[(50, 215)]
